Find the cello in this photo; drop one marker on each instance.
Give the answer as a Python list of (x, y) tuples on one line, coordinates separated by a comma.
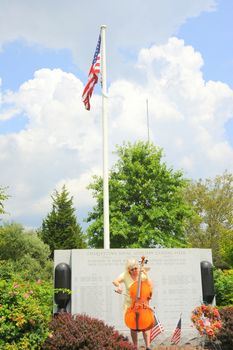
[(139, 316)]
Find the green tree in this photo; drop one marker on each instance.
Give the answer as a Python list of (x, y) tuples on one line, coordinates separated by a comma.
[(212, 224), (23, 252), (147, 208), (60, 229), (223, 283), (3, 197)]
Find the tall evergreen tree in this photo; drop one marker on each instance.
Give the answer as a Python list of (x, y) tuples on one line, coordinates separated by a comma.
[(147, 207), (60, 229)]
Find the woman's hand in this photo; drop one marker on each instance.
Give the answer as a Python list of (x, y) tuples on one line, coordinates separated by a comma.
[(117, 283), (144, 271), (119, 290)]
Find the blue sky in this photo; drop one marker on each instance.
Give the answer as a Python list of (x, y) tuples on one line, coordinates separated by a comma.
[(19, 61), (177, 54), (211, 33)]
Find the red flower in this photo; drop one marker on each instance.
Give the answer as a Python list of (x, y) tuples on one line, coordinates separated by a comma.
[(218, 325), (216, 313), (210, 332), (201, 323)]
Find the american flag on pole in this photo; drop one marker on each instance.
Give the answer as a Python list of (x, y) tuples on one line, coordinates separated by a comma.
[(177, 333), (92, 76), (156, 330)]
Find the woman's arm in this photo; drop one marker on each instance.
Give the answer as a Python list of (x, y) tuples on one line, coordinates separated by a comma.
[(117, 283)]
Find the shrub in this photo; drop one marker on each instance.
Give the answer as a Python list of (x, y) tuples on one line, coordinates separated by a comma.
[(24, 252), (82, 332), (226, 333), (223, 281), (25, 312)]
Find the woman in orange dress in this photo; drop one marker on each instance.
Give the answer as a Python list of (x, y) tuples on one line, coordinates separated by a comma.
[(127, 278)]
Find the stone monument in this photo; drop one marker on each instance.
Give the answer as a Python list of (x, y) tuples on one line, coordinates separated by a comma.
[(176, 276)]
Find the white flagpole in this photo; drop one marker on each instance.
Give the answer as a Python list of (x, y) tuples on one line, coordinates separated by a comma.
[(105, 139)]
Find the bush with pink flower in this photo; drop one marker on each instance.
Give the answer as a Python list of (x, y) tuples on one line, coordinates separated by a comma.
[(25, 312)]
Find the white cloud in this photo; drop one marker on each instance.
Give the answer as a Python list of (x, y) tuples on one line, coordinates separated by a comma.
[(74, 24), (62, 143), (9, 113)]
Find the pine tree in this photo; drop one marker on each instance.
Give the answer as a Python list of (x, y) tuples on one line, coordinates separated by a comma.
[(60, 229)]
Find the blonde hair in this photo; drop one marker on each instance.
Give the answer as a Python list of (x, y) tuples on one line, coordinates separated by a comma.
[(130, 263)]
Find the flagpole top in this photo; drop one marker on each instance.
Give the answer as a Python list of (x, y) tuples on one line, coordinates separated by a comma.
[(103, 26)]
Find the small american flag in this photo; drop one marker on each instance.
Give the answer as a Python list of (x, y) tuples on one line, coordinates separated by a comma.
[(177, 333), (156, 330), (92, 76)]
